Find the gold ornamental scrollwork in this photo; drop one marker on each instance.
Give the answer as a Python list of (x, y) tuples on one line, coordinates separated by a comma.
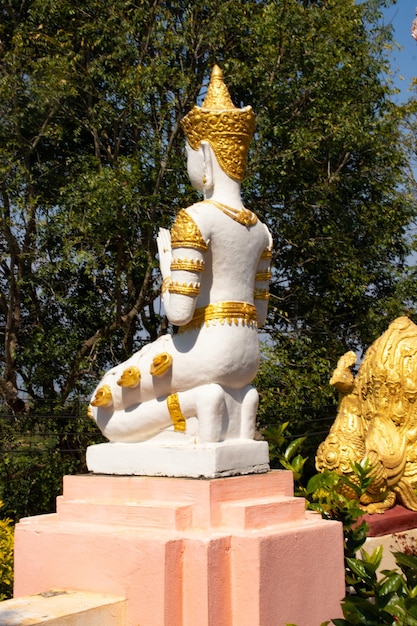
[(225, 127), (186, 234), (377, 419)]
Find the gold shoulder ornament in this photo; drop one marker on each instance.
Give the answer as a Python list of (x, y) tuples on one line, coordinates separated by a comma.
[(186, 234)]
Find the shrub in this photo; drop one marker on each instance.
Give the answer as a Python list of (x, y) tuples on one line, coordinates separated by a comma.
[(6, 558)]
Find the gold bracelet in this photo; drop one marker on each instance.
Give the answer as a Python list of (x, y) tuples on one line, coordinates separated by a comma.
[(184, 289), (187, 265), (175, 413)]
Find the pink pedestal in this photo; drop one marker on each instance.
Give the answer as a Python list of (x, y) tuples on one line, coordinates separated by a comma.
[(237, 551)]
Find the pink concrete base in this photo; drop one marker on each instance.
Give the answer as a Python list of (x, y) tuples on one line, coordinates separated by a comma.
[(237, 551)]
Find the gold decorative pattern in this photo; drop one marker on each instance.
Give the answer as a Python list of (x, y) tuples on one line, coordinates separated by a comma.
[(103, 397), (130, 377), (165, 284), (175, 413), (223, 312), (266, 254), (160, 364), (377, 419), (227, 129), (184, 289), (186, 234), (263, 276), (261, 294), (187, 265), (242, 216)]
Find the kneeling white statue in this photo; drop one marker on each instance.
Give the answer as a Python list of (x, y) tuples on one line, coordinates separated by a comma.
[(215, 265)]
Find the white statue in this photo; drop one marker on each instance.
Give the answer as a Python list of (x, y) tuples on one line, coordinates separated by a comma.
[(215, 265)]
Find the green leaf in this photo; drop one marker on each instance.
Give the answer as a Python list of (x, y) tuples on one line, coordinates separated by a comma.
[(391, 584), (293, 447)]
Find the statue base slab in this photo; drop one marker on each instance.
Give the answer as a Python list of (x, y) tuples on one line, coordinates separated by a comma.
[(391, 521), (172, 457), (236, 551)]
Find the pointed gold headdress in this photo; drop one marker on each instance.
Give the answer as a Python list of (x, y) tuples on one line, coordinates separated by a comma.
[(227, 129)]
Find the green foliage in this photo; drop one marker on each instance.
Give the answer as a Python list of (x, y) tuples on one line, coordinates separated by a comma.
[(294, 390), (325, 494), (36, 452), (387, 599), (289, 458), (6, 558)]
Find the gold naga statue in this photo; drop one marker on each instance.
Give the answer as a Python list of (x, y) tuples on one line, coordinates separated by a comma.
[(377, 419)]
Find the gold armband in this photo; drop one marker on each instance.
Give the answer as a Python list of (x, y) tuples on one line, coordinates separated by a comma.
[(261, 294), (186, 234), (187, 265), (175, 412), (264, 276), (182, 289)]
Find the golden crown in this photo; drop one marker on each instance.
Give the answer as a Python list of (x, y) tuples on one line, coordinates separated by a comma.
[(227, 129)]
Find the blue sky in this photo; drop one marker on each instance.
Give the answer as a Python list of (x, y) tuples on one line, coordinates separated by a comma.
[(404, 61)]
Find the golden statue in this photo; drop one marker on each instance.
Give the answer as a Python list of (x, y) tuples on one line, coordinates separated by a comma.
[(377, 419)]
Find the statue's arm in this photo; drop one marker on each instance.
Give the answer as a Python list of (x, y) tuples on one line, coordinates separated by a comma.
[(262, 278), (181, 258)]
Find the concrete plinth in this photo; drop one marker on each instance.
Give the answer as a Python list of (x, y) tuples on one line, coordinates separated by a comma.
[(175, 458), (236, 551)]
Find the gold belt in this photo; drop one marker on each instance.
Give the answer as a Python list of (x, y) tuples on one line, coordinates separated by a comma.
[(223, 312)]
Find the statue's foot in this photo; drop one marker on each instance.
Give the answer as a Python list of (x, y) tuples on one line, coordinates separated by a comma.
[(222, 412), (380, 507)]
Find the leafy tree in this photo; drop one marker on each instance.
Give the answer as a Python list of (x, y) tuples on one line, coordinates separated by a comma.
[(330, 174), (6, 559)]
